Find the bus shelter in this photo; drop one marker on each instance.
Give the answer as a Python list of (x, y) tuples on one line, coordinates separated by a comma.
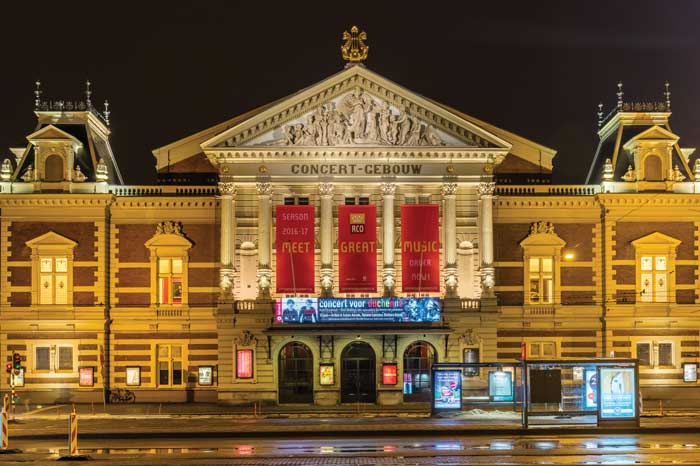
[(540, 392)]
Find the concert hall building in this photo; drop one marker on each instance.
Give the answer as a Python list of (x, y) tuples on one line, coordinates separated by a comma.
[(328, 247)]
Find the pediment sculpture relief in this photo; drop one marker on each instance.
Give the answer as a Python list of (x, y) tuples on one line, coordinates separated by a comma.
[(359, 118), (542, 227)]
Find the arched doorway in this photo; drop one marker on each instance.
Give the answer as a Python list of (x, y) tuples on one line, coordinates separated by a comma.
[(652, 168), (296, 374), (53, 168), (358, 374), (417, 377)]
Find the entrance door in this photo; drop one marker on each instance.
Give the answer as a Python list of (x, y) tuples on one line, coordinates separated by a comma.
[(296, 374), (358, 373), (418, 360)]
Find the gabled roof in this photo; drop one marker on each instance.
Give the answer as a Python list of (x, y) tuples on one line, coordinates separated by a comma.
[(654, 133), (51, 133), (51, 239), (656, 239)]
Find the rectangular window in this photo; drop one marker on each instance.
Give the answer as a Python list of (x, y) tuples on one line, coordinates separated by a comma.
[(53, 280), (43, 358), (363, 201), (349, 201), (541, 280), (170, 273), (244, 364), (665, 355), (644, 354), (654, 279), (424, 199), (542, 349), (296, 201), (471, 355), (65, 358), (170, 365), (288, 201), (303, 201)]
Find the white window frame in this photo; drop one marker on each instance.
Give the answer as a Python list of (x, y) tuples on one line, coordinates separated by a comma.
[(542, 278), (539, 244), (651, 352), (54, 358), (168, 246), (540, 354), (654, 346), (170, 360), (656, 245), (51, 245)]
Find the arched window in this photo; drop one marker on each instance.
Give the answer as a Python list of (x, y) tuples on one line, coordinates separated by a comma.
[(53, 169), (652, 168), (417, 363), (296, 376)]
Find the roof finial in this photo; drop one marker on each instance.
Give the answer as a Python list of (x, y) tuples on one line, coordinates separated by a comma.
[(37, 95), (354, 49), (88, 93), (600, 115), (107, 112), (619, 95), (667, 94)]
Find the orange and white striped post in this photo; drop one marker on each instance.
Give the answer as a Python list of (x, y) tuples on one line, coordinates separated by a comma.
[(5, 442), (73, 435)]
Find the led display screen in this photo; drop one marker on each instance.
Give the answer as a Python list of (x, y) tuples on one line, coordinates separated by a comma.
[(501, 385), (329, 310)]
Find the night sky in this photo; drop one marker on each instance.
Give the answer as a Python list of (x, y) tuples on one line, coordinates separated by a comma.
[(538, 69)]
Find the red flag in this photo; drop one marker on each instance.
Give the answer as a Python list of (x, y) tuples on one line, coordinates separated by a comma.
[(295, 249), (357, 248), (420, 248)]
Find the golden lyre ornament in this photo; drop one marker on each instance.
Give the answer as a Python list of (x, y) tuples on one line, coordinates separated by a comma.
[(354, 49)]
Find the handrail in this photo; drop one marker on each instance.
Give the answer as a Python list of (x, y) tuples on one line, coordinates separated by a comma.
[(548, 190)]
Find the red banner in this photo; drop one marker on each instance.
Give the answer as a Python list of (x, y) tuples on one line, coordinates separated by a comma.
[(357, 248), (294, 243), (420, 248)]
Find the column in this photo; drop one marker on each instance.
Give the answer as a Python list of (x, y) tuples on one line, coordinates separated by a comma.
[(326, 192), (388, 273), (486, 191), (228, 238), (449, 212), (264, 274)]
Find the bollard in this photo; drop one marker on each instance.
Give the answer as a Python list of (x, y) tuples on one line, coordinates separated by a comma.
[(5, 427), (73, 439)]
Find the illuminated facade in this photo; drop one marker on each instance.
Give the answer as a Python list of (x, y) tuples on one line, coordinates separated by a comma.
[(225, 281)]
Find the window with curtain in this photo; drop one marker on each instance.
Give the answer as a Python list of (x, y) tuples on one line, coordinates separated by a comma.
[(170, 280), (541, 280)]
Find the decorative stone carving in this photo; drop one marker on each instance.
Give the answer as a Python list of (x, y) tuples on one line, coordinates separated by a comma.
[(629, 174), (608, 170), (327, 281), (326, 189), (469, 337), (488, 281), (542, 227), (451, 281), (78, 175), (388, 189), (449, 189), (169, 228), (359, 119), (676, 175), (696, 170), (28, 174), (388, 280), (354, 49), (101, 171), (264, 188), (6, 170), (226, 282), (227, 188), (246, 339), (264, 277), (486, 189)]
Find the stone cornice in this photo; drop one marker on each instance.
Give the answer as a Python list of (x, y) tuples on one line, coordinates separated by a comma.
[(55, 200)]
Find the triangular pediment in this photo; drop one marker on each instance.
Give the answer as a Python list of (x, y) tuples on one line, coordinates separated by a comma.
[(656, 239), (355, 108), (653, 134), (51, 240), (51, 133)]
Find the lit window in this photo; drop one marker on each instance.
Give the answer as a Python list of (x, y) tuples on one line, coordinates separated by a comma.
[(541, 280), (644, 354), (53, 280), (654, 279), (542, 349), (170, 365), (244, 364), (170, 281)]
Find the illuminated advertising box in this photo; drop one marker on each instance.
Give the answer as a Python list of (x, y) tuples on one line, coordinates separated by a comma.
[(86, 376), (591, 392), (501, 385), (205, 375), (326, 374), (617, 393), (330, 310), (133, 376), (389, 374), (690, 372), (244, 364), (447, 390)]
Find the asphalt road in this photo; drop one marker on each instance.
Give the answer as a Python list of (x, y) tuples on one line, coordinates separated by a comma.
[(619, 449)]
